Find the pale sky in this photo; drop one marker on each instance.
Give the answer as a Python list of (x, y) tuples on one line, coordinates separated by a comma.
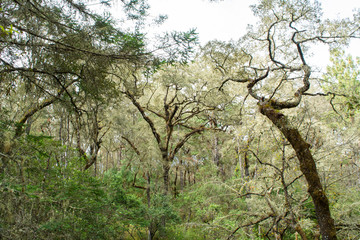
[(227, 19), (223, 20)]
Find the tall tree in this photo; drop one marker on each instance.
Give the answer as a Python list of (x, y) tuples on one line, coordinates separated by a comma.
[(61, 47), (175, 109), (278, 76)]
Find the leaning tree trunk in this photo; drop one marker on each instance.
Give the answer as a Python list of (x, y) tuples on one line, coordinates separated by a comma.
[(308, 168)]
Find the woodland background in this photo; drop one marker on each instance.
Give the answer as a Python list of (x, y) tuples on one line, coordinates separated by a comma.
[(106, 134)]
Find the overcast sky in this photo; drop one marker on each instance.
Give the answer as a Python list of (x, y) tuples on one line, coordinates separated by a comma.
[(227, 19), (222, 20)]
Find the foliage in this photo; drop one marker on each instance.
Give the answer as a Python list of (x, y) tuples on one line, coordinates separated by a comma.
[(104, 135), (51, 199), (342, 78)]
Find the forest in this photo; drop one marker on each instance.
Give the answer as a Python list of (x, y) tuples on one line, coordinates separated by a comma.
[(107, 133)]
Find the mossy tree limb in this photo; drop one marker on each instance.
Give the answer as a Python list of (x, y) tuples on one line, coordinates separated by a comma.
[(308, 168)]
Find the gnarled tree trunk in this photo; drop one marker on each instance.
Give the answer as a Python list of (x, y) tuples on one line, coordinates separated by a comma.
[(308, 168)]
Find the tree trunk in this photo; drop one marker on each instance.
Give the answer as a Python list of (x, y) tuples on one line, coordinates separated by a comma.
[(189, 176), (246, 164), (29, 122), (175, 181), (217, 158), (181, 176), (166, 177), (308, 168), (151, 232), (185, 176)]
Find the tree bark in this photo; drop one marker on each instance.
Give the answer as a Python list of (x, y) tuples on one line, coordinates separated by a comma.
[(217, 158), (151, 230), (246, 164), (308, 168), (166, 177), (175, 181), (181, 176)]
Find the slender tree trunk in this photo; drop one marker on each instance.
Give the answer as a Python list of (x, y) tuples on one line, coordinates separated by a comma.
[(181, 176), (95, 168), (246, 164), (175, 181), (185, 177), (166, 177), (148, 197), (242, 155), (217, 157), (29, 122), (308, 168), (189, 177), (119, 159), (107, 160)]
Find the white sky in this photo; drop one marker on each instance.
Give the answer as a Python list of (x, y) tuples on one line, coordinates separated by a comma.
[(223, 20), (227, 20)]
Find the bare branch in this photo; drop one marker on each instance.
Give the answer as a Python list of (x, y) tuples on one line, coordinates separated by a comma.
[(146, 118), (250, 224)]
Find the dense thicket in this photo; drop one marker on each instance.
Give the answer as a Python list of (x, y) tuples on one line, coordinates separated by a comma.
[(106, 134)]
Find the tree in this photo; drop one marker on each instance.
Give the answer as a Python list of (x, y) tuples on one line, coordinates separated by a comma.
[(57, 57), (64, 50), (342, 79), (341, 82), (184, 112), (104, 135), (278, 76)]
